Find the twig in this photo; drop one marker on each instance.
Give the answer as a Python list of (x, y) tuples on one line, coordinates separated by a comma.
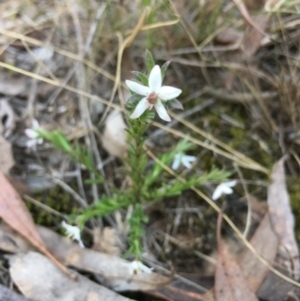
[(249, 212), (45, 207), (236, 97), (68, 189)]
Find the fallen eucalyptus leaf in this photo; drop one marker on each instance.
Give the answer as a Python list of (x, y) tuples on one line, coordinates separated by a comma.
[(38, 278), (114, 271)]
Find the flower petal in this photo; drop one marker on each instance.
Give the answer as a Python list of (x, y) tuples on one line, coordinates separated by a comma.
[(73, 232), (176, 162), (141, 107), (227, 190), (187, 161), (137, 88), (161, 111), (223, 188), (231, 183), (30, 133), (217, 193), (136, 267), (167, 93), (155, 79)]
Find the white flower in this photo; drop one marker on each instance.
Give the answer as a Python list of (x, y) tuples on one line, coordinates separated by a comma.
[(136, 267), (73, 232), (155, 94), (223, 188), (181, 158), (33, 136)]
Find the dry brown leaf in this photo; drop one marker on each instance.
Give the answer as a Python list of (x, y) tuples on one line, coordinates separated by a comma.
[(14, 212), (114, 271), (282, 220), (38, 278), (265, 243), (252, 38), (244, 12), (114, 135), (254, 4), (230, 282)]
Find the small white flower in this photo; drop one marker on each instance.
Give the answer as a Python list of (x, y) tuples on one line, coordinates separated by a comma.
[(136, 267), (155, 94), (33, 136), (223, 188), (181, 158), (73, 232)]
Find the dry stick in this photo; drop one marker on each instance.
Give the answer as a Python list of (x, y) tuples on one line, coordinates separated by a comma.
[(244, 12), (73, 56), (226, 218), (236, 97), (58, 84), (38, 61), (262, 105), (32, 95), (123, 45), (45, 207), (249, 212), (228, 65), (73, 193)]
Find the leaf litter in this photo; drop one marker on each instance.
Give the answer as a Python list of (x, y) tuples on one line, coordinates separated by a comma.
[(15, 213), (274, 240), (230, 282), (38, 278), (114, 271), (264, 240)]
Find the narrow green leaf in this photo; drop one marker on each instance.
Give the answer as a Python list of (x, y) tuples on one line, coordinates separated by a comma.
[(142, 77), (149, 61), (164, 69)]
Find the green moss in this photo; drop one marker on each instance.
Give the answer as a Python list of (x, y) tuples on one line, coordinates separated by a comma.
[(56, 199)]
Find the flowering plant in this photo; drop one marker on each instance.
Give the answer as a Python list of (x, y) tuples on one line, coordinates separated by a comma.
[(147, 183)]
